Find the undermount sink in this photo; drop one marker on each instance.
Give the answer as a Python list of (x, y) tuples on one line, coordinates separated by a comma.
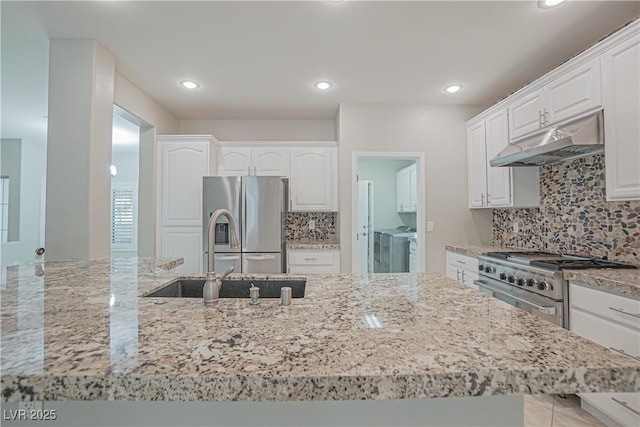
[(231, 288)]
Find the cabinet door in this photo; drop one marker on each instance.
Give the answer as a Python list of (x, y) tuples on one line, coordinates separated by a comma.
[(234, 161), (311, 184), (498, 178), (182, 166), (413, 188), (402, 190), (273, 161), (185, 242), (524, 113), (575, 92), (477, 165), (621, 96)]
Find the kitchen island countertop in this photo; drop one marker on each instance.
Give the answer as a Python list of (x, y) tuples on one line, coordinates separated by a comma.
[(84, 331)]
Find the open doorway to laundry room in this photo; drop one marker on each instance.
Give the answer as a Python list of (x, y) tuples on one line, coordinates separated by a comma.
[(125, 160), (388, 212)]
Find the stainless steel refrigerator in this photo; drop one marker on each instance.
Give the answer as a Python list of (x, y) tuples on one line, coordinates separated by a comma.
[(259, 206)]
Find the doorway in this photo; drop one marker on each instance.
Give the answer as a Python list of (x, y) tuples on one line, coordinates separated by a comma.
[(388, 212), (125, 159)]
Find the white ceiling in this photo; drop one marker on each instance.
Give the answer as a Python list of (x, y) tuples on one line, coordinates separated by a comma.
[(260, 59)]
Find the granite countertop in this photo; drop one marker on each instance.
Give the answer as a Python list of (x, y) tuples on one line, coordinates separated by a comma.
[(622, 282), (84, 331), (312, 244), (475, 250)]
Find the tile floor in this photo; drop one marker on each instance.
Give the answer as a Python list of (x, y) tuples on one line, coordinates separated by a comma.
[(545, 410)]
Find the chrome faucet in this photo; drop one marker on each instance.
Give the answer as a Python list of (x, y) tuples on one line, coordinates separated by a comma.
[(212, 285)]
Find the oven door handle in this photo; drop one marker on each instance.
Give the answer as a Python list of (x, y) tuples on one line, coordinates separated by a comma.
[(541, 308)]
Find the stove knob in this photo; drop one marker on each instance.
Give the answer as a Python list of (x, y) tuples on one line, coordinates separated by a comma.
[(532, 282), (544, 286), (520, 282), (511, 279), (481, 267), (503, 276), (489, 269)]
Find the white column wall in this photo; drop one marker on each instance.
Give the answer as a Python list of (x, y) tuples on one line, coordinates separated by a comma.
[(81, 82)]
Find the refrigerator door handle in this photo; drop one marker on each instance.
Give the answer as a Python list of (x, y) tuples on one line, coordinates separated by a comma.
[(259, 257), (243, 213), (227, 257)]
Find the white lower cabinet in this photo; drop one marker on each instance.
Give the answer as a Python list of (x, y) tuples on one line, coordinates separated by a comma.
[(313, 261), (463, 269), (614, 322)]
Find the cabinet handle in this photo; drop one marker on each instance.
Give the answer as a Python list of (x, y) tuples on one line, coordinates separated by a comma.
[(461, 262), (540, 118), (546, 117), (624, 353), (481, 199), (462, 276), (488, 198), (457, 275), (625, 405), (619, 310), (310, 259)]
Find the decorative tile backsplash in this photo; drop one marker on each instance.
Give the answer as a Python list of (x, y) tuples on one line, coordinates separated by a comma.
[(574, 216), (297, 227)]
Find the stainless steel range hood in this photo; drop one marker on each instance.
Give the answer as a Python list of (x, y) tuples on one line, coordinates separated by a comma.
[(565, 141)]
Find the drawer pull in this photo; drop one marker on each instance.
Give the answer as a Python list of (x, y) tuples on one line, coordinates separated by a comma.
[(624, 353), (625, 405), (619, 310), (461, 262), (311, 259)]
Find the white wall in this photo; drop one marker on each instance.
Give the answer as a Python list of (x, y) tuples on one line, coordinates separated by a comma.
[(382, 172), (81, 75), (261, 130), (439, 132), (160, 121)]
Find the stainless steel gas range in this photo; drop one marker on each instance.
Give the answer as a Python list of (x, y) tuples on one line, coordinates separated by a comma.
[(534, 281)]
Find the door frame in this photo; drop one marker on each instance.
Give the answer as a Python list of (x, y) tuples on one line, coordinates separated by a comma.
[(371, 220), (419, 158)]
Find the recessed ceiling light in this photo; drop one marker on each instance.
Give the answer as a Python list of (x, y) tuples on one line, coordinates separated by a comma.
[(323, 85), (453, 88), (189, 84), (546, 4)]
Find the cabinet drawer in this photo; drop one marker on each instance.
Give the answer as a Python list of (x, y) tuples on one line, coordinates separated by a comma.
[(612, 307), (619, 406), (311, 258), (311, 269), (462, 261), (606, 333)]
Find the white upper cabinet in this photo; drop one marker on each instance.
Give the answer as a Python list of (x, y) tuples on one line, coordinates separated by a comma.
[(621, 96), (406, 189), (477, 164), (234, 161), (574, 92), (271, 161), (525, 114), (493, 187), (259, 161), (313, 183), (498, 178), (606, 76), (182, 166)]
